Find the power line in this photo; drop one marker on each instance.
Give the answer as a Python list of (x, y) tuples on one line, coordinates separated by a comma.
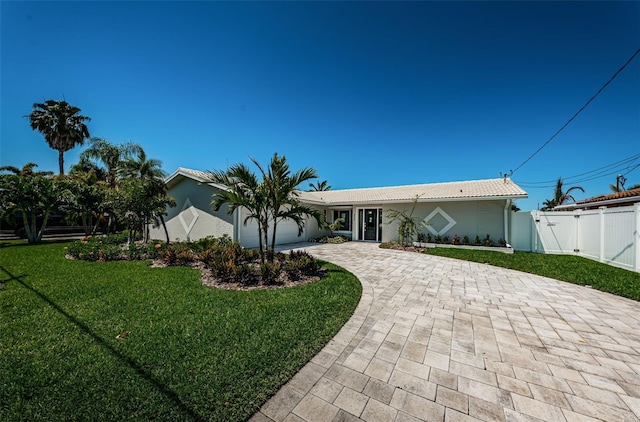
[(577, 113), (621, 166), (618, 164)]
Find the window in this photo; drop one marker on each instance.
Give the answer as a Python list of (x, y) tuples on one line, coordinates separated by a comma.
[(346, 216)]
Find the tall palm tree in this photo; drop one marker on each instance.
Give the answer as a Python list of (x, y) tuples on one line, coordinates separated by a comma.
[(111, 156), (560, 196), (319, 186), (61, 124)]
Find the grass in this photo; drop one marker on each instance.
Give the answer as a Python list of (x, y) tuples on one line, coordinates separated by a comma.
[(187, 352), (571, 268)]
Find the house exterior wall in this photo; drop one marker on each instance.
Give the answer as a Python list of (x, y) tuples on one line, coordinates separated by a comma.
[(192, 218), (465, 218)]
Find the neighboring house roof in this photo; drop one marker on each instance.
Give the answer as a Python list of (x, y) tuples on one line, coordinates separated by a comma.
[(502, 188), (453, 191), (615, 199), (181, 173)]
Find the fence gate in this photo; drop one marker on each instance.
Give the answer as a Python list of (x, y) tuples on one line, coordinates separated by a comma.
[(609, 235)]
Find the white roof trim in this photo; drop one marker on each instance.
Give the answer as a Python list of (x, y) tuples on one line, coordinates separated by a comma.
[(198, 176)]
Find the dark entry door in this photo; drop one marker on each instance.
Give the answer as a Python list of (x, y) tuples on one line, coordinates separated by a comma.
[(369, 223)]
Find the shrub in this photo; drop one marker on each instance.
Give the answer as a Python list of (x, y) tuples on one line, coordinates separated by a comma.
[(93, 248), (155, 249), (422, 238), (135, 251), (428, 237), (487, 241), (303, 263), (388, 245), (456, 240), (465, 240), (243, 274), (437, 239), (445, 239), (477, 241), (502, 243), (177, 254), (270, 271), (210, 241)]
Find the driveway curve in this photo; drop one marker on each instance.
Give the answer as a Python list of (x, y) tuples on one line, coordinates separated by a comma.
[(438, 339)]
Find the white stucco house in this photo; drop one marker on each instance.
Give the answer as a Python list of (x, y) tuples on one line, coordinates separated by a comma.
[(475, 207)]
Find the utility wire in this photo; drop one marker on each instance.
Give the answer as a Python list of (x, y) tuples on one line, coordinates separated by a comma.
[(622, 164), (618, 167), (578, 112)]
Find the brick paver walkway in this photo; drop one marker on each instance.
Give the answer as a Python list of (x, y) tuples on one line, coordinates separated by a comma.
[(436, 339)]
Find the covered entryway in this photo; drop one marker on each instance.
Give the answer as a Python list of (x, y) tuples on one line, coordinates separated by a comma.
[(370, 224)]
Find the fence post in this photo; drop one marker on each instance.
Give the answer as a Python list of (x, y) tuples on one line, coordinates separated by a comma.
[(636, 237), (601, 222)]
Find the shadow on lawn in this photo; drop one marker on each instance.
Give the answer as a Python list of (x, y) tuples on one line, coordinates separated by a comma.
[(84, 327)]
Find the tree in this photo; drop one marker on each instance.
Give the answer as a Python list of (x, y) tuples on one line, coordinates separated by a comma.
[(88, 199), (61, 124), (241, 189), (137, 204), (283, 201), (408, 225), (111, 156), (32, 196), (560, 196), (151, 171), (267, 201), (319, 186)]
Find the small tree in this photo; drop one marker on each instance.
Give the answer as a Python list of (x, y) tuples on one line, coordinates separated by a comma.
[(560, 196), (336, 225), (137, 204), (408, 225), (32, 196)]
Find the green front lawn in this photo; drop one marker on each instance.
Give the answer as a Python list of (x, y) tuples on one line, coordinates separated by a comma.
[(185, 352), (571, 268)]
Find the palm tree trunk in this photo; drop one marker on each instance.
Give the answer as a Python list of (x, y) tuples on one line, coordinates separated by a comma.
[(61, 161), (166, 231), (273, 238)]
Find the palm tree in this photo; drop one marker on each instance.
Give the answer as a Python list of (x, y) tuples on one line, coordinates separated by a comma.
[(319, 186), (26, 170), (149, 170), (63, 128), (560, 196), (142, 167), (282, 188), (243, 190), (111, 156), (269, 201)]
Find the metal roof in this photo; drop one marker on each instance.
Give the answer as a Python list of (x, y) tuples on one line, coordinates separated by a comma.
[(501, 188), (463, 190)]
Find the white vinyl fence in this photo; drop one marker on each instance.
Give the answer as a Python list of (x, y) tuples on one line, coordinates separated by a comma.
[(609, 235)]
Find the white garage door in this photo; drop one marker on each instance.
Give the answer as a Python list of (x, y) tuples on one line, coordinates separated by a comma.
[(287, 232)]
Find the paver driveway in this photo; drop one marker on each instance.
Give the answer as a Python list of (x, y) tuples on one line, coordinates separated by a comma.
[(438, 339)]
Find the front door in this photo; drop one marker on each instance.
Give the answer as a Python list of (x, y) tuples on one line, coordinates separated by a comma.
[(370, 224)]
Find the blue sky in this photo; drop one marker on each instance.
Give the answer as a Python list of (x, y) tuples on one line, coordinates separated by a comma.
[(367, 93)]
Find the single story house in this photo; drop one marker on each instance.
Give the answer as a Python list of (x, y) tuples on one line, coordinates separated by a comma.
[(467, 208), (618, 199)]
